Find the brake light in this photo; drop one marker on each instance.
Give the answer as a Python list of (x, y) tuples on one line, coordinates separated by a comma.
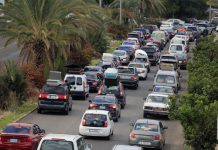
[(105, 124), (157, 137), (94, 83), (63, 97), (0, 140), (132, 135), (113, 106), (43, 96), (133, 78), (83, 122), (92, 105)]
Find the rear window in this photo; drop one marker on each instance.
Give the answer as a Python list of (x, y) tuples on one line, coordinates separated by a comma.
[(91, 69), (133, 35), (111, 90), (165, 79), (106, 66), (53, 90), (79, 81), (17, 129), (157, 99), (163, 89), (95, 120), (136, 65), (140, 60), (176, 48), (146, 127), (104, 100), (149, 50), (71, 80), (126, 70), (56, 145), (125, 48), (128, 43)]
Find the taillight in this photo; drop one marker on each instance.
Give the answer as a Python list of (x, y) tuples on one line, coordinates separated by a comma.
[(113, 106), (62, 97), (41, 96), (105, 124), (0, 140), (83, 122), (94, 83), (92, 105), (133, 78), (132, 135), (157, 137)]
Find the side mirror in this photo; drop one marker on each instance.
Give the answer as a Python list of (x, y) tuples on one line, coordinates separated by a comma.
[(131, 124), (165, 127)]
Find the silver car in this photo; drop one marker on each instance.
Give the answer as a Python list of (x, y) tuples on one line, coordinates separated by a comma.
[(147, 133), (126, 147)]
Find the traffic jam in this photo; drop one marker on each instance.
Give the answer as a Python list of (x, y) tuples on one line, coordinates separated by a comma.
[(148, 46)]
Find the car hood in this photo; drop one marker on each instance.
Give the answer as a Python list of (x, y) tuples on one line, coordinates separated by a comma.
[(160, 105)]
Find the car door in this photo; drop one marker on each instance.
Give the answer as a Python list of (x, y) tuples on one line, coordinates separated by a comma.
[(118, 105), (162, 132)]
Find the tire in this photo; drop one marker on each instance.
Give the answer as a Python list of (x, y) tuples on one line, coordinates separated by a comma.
[(116, 119), (84, 97), (122, 106), (39, 111), (108, 137), (66, 111), (145, 115), (136, 86)]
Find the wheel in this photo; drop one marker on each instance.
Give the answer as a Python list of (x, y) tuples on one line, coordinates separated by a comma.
[(70, 108), (145, 115), (120, 114), (39, 111), (108, 137), (122, 106), (116, 119), (66, 111), (136, 86), (84, 97)]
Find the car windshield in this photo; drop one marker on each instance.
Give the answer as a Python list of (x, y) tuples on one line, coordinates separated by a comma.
[(168, 79), (149, 50), (136, 65), (100, 99), (176, 48), (146, 127), (163, 89), (111, 90), (140, 60), (53, 90), (56, 145), (157, 99), (91, 76), (119, 53), (93, 69), (126, 70), (128, 43), (17, 129), (95, 120), (125, 48)]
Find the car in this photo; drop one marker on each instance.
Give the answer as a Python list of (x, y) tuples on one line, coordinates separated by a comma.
[(195, 30), (132, 43), (129, 49), (78, 85), (133, 39), (123, 55), (180, 52), (97, 123), (63, 142), (107, 102), (105, 65), (142, 70), (116, 61), (21, 136), (94, 81), (180, 41), (126, 147), (134, 35), (54, 97), (141, 37), (174, 21), (168, 78), (150, 27), (96, 69), (167, 25), (156, 104), (182, 36), (153, 54), (142, 57), (157, 41), (128, 76), (148, 133), (171, 32), (146, 32), (163, 89), (118, 91), (160, 35)]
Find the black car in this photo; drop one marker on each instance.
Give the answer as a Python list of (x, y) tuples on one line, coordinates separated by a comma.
[(105, 65), (152, 53), (128, 76), (55, 97), (94, 81), (106, 102), (96, 69), (118, 91)]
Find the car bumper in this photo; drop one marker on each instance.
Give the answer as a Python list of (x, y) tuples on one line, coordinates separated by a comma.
[(142, 75), (77, 93), (129, 82), (145, 144), (94, 132), (161, 113), (51, 106), (14, 147)]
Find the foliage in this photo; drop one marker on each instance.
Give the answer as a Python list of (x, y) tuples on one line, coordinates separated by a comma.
[(198, 109)]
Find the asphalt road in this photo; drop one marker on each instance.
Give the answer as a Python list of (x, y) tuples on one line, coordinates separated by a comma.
[(59, 123)]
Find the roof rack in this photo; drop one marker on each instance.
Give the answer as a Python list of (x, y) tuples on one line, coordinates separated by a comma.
[(74, 69)]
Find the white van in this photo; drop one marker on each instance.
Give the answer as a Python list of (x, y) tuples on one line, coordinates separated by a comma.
[(142, 57), (78, 85), (167, 78)]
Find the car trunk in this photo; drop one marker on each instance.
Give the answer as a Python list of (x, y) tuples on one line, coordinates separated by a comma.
[(15, 139)]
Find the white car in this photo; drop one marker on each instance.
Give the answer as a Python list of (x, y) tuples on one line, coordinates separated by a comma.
[(142, 57), (167, 25), (126, 147), (124, 56), (97, 123), (176, 40), (63, 142), (184, 37), (156, 104), (174, 21), (141, 69)]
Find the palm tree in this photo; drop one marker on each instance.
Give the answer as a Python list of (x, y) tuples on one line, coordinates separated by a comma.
[(43, 29)]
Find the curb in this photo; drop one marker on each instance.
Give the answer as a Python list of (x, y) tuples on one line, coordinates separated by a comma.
[(20, 118)]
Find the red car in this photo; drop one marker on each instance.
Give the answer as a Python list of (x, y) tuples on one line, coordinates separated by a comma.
[(21, 136)]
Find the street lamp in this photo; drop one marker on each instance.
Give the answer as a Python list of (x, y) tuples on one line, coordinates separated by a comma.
[(120, 12)]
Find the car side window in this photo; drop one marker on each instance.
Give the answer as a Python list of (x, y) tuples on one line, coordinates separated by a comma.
[(80, 144)]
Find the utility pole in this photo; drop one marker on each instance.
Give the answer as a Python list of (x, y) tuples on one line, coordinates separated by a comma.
[(210, 13), (100, 3), (120, 12)]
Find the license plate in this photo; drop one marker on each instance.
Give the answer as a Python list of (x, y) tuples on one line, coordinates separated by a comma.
[(13, 140), (93, 130), (145, 143), (157, 109), (52, 96), (102, 107), (124, 77)]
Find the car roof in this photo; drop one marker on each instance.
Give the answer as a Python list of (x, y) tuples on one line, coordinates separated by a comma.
[(151, 121), (21, 124), (104, 112), (157, 94), (126, 147), (66, 137), (164, 72), (75, 75), (136, 63)]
